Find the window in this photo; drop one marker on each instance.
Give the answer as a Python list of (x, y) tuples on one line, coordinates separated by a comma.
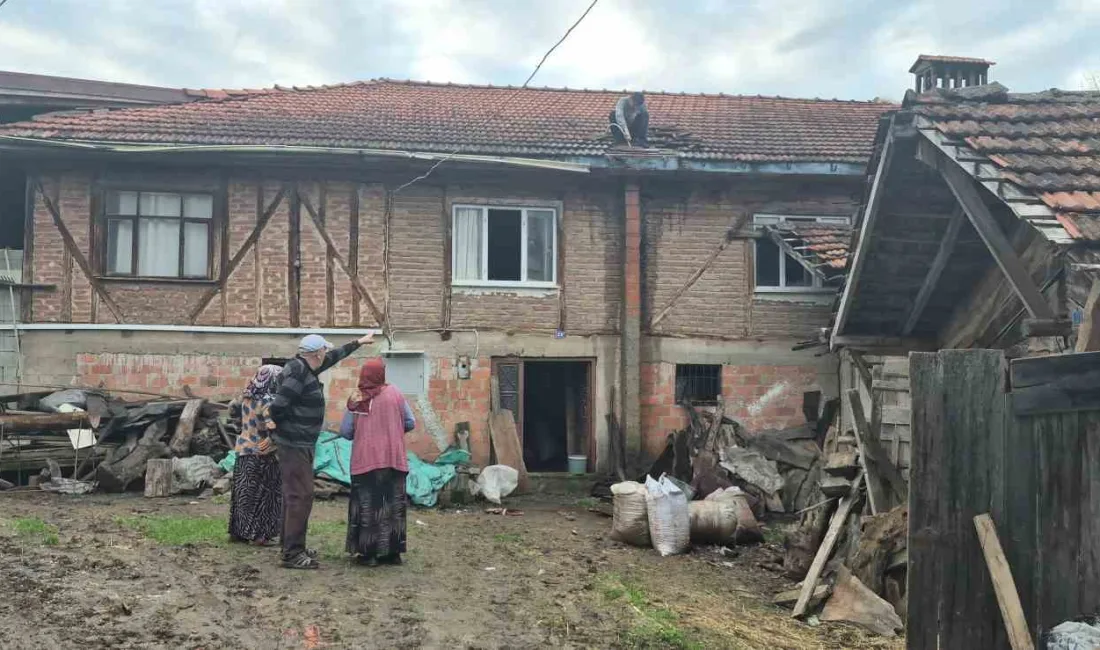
[(504, 246), (698, 383), (158, 234), (777, 271)]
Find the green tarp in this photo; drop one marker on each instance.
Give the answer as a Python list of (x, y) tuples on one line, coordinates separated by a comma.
[(332, 460)]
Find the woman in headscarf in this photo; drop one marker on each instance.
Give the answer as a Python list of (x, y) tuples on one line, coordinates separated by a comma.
[(377, 419), (255, 507)]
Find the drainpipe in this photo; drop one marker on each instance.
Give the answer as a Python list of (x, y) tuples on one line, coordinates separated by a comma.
[(630, 340)]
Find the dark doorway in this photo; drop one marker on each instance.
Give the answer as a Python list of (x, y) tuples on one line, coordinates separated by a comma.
[(555, 413)]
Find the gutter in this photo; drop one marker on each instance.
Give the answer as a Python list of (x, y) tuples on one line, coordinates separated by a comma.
[(619, 160), (187, 329), (556, 165)]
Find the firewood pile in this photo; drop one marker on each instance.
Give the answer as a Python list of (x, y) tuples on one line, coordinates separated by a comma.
[(91, 436), (851, 559)]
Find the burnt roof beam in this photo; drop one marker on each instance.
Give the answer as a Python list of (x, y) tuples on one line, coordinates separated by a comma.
[(966, 192), (939, 263)]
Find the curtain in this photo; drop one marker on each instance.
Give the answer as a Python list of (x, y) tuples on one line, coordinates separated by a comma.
[(195, 250), (120, 241), (467, 244), (540, 245), (159, 248)]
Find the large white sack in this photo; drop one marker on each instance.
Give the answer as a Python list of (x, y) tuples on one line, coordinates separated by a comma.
[(669, 517), (497, 481), (630, 520)]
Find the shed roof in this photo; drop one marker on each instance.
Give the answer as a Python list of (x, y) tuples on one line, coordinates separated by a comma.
[(538, 122)]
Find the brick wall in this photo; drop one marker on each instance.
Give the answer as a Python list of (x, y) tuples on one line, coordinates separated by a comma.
[(759, 397), (450, 400), (684, 224)]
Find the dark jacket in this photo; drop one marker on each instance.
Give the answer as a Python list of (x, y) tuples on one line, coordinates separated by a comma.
[(299, 405)]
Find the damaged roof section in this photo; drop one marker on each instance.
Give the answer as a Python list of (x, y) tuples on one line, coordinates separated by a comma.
[(820, 247), (385, 114), (1046, 145)]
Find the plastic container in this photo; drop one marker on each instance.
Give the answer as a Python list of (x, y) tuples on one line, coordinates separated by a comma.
[(578, 464)]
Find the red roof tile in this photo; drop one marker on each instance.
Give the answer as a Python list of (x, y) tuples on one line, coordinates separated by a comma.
[(483, 119), (824, 246), (1048, 143)]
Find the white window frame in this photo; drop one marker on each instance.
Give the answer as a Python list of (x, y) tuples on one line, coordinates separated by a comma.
[(761, 220), (483, 281)]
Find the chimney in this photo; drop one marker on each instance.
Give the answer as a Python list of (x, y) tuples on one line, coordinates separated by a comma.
[(931, 71)]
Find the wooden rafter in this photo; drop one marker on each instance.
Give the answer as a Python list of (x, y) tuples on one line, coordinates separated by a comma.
[(962, 186), (797, 255), (870, 216), (931, 280), (355, 281), (76, 253), (239, 256), (735, 226)]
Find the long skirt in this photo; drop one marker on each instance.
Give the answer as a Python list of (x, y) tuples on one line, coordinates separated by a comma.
[(256, 505), (376, 514)]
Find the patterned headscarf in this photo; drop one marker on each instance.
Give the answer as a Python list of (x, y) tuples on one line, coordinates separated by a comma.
[(263, 384)]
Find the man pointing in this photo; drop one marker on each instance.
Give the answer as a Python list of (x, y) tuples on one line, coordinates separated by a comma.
[(298, 411)]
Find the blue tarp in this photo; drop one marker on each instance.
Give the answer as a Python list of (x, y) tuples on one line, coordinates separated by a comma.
[(332, 460)]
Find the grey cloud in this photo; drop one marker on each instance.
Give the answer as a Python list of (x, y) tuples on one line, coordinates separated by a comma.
[(829, 48)]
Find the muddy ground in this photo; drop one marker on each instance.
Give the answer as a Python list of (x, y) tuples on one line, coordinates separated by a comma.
[(127, 572)]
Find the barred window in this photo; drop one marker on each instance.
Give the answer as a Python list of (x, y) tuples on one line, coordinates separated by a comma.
[(698, 383)]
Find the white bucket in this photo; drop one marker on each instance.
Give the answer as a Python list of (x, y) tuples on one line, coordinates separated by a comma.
[(578, 464)]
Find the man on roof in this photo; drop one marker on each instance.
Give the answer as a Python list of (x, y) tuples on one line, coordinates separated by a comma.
[(630, 121)]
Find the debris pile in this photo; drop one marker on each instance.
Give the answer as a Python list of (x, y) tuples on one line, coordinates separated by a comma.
[(102, 440)]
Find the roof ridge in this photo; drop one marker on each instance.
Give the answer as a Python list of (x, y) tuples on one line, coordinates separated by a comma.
[(666, 93)]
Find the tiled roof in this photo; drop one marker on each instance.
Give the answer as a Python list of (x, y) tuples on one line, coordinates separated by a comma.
[(483, 120), (823, 246), (1047, 143)]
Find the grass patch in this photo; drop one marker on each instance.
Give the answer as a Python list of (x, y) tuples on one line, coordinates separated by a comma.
[(329, 538), (588, 502), (220, 500), (179, 531), (34, 530), (655, 626), (775, 535), (507, 538)]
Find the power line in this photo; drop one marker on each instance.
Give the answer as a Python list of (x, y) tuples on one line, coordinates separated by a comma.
[(502, 104)]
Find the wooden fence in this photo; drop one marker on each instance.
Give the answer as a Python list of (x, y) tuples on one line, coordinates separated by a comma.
[(1030, 456)]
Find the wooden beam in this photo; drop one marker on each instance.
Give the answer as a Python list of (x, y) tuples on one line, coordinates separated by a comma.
[(77, 254), (871, 449), (356, 283), (353, 250), (962, 186), (236, 261), (448, 262), (330, 268), (828, 544), (294, 259), (860, 364), (734, 228), (931, 280), (1088, 334), (1035, 327), (876, 489), (870, 216), (882, 344), (1008, 599), (222, 223)]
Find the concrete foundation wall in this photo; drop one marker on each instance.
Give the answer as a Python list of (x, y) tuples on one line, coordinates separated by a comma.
[(762, 383)]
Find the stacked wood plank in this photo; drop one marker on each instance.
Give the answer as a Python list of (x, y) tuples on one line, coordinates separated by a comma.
[(127, 434)]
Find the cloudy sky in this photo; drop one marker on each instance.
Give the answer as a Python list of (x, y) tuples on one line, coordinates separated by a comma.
[(853, 49)]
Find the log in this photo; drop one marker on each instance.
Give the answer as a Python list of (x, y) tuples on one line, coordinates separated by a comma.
[(881, 538), (117, 476), (844, 464), (43, 422), (1037, 327), (185, 429), (158, 477)]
